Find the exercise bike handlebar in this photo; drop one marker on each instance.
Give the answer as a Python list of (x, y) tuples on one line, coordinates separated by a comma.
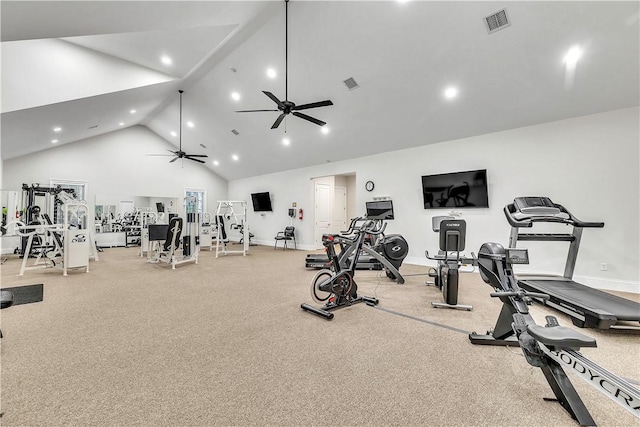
[(374, 227), (369, 226)]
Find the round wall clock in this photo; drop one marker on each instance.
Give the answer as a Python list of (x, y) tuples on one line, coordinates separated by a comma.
[(369, 186)]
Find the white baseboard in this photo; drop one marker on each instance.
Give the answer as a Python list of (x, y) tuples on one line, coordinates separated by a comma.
[(290, 245)]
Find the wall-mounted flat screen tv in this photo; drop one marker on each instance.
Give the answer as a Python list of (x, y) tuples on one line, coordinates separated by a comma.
[(456, 190), (382, 209), (261, 202)]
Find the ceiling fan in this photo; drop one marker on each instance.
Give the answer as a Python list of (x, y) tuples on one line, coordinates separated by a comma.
[(287, 107), (179, 154)]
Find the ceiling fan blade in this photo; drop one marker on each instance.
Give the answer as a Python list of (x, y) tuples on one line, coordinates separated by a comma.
[(174, 159), (196, 155), (278, 121), (161, 155), (273, 98), (313, 105), (252, 111), (309, 118), (195, 160)]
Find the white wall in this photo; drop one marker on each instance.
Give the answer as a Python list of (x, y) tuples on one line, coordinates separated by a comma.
[(117, 164), (588, 164)]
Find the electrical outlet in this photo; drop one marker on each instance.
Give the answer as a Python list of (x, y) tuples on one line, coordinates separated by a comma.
[(604, 266)]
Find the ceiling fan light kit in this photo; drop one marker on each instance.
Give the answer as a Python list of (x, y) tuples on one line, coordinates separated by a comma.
[(287, 107)]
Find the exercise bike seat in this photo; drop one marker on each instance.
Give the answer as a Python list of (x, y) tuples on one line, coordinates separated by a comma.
[(560, 337)]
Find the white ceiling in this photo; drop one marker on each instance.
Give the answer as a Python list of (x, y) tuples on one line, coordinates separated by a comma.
[(79, 64)]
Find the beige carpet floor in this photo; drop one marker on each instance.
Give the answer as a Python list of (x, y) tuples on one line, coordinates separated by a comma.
[(224, 342)]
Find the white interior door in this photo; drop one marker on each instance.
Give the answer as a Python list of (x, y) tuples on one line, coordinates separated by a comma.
[(322, 212), (339, 222)]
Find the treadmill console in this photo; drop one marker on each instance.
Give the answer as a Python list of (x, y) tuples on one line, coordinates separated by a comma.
[(517, 256), (535, 206)]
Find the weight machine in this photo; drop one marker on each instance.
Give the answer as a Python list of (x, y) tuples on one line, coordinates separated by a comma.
[(146, 219), (165, 241), (236, 210), (206, 231), (71, 242)]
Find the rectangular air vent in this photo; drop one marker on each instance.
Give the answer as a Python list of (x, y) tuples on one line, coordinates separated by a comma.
[(235, 132), (497, 21), (351, 83)]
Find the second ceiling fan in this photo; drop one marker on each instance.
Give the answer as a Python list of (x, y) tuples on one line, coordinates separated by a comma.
[(179, 154), (287, 107)]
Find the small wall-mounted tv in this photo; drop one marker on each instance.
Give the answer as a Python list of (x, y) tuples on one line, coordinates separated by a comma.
[(261, 202), (382, 209), (456, 190)]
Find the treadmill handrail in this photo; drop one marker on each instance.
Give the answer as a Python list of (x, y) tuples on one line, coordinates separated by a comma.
[(510, 209)]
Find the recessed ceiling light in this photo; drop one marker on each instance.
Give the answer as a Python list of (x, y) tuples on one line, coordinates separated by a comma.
[(235, 96), (173, 133), (324, 129), (121, 124), (572, 56), (216, 163), (190, 124), (271, 73), (286, 141), (53, 141), (132, 111), (235, 157), (450, 92), (166, 60), (57, 129)]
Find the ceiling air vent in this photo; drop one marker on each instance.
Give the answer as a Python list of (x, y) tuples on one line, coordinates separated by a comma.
[(235, 132), (351, 83), (497, 21)]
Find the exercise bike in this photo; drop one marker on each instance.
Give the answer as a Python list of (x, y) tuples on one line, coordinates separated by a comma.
[(550, 347), (335, 286), (445, 275)]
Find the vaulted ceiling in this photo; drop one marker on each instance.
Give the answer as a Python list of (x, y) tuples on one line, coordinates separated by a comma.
[(84, 66)]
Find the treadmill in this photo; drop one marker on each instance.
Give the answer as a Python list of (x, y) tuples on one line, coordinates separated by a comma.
[(587, 306), (393, 247)]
